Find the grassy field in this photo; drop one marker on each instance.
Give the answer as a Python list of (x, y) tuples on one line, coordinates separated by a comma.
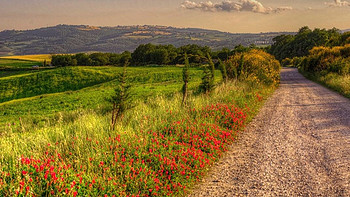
[(17, 64), (41, 108), (51, 81), (160, 148), (34, 58), (61, 143)]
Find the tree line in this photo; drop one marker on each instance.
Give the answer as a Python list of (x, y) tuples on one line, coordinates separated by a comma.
[(289, 46), (148, 54)]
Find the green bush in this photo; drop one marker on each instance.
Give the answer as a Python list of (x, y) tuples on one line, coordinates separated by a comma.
[(255, 65)]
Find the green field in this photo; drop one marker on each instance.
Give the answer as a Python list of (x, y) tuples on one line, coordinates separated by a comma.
[(46, 93), (56, 136), (17, 64)]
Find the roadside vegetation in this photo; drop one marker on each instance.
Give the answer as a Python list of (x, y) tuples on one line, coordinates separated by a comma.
[(320, 55), (160, 147)]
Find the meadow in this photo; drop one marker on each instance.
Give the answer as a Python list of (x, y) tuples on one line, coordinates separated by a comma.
[(160, 148), (44, 94), (17, 64), (62, 143)]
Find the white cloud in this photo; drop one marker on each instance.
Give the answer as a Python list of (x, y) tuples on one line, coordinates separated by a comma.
[(233, 6), (338, 3)]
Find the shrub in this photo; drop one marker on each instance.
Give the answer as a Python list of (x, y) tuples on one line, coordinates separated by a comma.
[(254, 65)]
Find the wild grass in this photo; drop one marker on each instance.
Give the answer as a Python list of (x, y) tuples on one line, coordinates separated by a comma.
[(147, 82), (159, 148), (334, 81), (157, 139)]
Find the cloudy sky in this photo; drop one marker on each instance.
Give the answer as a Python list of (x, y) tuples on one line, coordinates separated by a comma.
[(225, 15)]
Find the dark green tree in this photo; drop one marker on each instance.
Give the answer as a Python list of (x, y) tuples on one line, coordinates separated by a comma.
[(122, 99), (63, 60), (207, 84), (212, 66)]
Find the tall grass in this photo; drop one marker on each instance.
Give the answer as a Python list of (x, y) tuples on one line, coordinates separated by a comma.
[(159, 148), (334, 81), (328, 66)]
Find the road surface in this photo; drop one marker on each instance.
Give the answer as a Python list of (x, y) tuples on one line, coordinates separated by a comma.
[(298, 145)]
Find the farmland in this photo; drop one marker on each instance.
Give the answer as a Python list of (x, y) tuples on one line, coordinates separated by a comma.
[(35, 58)]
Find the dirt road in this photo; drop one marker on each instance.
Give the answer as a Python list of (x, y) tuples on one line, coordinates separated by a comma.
[(298, 145)]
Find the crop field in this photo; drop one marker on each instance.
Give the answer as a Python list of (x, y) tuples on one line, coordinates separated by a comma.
[(34, 58)]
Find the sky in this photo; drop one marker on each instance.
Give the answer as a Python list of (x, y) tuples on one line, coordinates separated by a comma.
[(236, 16)]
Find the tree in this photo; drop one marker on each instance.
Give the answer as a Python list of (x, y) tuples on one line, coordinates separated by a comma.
[(222, 68), (99, 59), (159, 56), (63, 60), (185, 76), (83, 59), (207, 84), (212, 66), (122, 98), (224, 54)]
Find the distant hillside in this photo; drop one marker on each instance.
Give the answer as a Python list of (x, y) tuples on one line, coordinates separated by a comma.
[(81, 38), (345, 30)]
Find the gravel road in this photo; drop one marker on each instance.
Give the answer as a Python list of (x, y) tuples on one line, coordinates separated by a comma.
[(298, 145)]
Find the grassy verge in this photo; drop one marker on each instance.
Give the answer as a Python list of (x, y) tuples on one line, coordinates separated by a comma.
[(160, 148), (334, 81)]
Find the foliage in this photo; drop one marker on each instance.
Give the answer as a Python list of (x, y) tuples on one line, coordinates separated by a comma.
[(63, 60), (50, 81), (160, 150), (207, 84), (326, 59), (289, 46), (255, 65), (156, 149), (122, 98), (329, 66), (43, 108), (222, 68)]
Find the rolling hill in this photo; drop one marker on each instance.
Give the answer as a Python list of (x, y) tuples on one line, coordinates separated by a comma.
[(82, 38)]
